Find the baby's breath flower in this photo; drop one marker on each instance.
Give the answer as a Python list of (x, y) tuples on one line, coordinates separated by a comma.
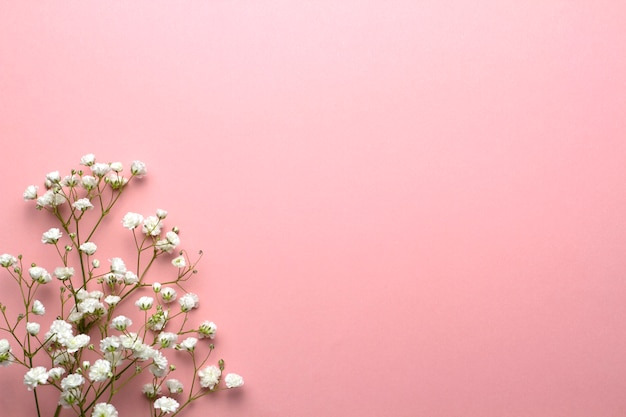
[(88, 248), (100, 169), (38, 308), (174, 386), (63, 272), (33, 328), (104, 410), (52, 236), (179, 262), (31, 192), (35, 376), (188, 302), (209, 376), (100, 370), (82, 204), (112, 299), (121, 323), (132, 220), (166, 405), (138, 168), (88, 159), (88, 182), (39, 274), (144, 303), (207, 329), (233, 380), (168, 294), (7, 260)]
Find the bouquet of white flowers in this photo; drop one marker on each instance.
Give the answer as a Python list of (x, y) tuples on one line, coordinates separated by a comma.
[(91, 351)]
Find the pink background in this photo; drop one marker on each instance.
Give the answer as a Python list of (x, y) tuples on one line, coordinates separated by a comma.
[(408, 208)]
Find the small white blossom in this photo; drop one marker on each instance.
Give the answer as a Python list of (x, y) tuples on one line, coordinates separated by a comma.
[(91, 306), (35, 376), (166, 339), (121, 323), (144, 303), (33, 328), (72, 381), (89, 183), (168, 294), (100, 169), (161, 214), (233, 380), (51, 198), (77, 342), (70, 181), (152, 226), (132, 220), (138, 168), (38, 308), (188, 344), (207, 329), (116, 181), (104, 410), (100, 370), (156, 287), (88, 159), (118, 266), (130, 278), (60, 332), (39, 274), (209, 376), (188, 302), (64, 272), (179, 262), (82, 204), (88, 248), (5, 352), (110, 344), (112, 299), (52, 236), (56, 373), (166, 405), (151, 391), (31, 192), (7, 260), (52, 178), (174, 386), (117, 166)]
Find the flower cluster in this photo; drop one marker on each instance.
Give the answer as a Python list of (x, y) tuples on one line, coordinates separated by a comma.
[(95, 347)]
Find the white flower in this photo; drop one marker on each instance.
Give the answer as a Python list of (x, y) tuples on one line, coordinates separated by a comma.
[(168, 294), (52, 178), (64, 272), (132, 220), (100, 169), (88, 248), (77, 342), (31, 192), (118, 266), (121, 323), (207, 329), (188, 301), (110, 344), (5, 352), (38, 308), (91, 306), (100, 370), (72, 381), (50, 198), (35, 376), (130, 278), (70, 181), (151, 391), (39, 274), (166, 405), (156, 287), (89, 182), (33, 328), (56, 373), (51, 236), (169, 243), (144, 303), (116, 181), (179, 262), (88, 159), (138, 168), (209, 376), (188, 344), (152, 226), (7, 260), (233, 380), (161, 214), (104, 410), (174, 386), (166, 339), (112, 299), (82, 204), (60, 332), (159, 364), (117, 166)]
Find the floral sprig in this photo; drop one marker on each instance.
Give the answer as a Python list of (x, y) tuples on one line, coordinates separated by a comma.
[(91, 351)]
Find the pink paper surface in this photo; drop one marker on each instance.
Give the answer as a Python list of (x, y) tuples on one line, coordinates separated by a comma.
[(408, 208)]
